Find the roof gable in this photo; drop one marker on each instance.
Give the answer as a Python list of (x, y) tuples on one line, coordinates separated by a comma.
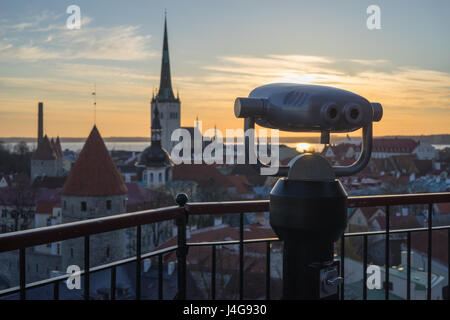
[(94, 173), (44, 150)]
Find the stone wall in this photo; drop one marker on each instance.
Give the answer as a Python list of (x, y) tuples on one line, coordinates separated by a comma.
[(105, 247)]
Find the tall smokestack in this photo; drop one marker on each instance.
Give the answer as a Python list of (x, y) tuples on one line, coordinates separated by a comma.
[(40, 121)]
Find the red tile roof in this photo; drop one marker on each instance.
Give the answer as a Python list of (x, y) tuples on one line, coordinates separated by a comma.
[(444, 208), (44, 150), (222, 233), (340, 149), (240, 182), (199, 173), (46, 207), (398, 222), (94, 173), (203, 173), (397, 145), (419, 242)]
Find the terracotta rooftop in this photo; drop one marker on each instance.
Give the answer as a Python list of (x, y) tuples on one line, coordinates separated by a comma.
[(400, 145), (94, 173), (46, 207), (444, 208), (199, 173)]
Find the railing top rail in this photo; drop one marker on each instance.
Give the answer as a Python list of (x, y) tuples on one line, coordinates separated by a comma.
[(199, 208), (33, 237), (398, 199)]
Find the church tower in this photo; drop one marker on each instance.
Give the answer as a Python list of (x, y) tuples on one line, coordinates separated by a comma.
[(94, 189), (154, 168), (168, 104)]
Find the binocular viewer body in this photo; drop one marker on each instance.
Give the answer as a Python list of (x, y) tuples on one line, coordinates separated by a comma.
[(307, 108), (310, 108), (308, 206)]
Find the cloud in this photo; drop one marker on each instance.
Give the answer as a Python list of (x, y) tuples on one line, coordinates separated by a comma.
[(31, 23), (122, 43), (415, 87), (369, 62), (55, 41)]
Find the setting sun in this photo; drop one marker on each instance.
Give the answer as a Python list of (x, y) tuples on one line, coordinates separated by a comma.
[(302, 147)]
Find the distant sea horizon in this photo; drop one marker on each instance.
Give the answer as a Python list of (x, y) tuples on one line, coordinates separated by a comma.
[(139, 146)]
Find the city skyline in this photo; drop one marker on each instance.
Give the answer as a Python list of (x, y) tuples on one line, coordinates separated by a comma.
[(118, 48)]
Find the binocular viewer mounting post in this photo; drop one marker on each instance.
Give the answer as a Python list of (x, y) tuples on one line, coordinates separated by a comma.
[(310, 108)]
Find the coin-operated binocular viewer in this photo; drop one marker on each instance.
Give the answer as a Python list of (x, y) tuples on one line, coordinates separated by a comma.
[(308, 205)]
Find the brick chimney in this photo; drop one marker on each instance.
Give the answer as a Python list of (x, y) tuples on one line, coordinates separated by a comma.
[(40, 121)]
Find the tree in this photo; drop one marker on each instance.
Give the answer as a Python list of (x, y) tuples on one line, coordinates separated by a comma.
[(22, 203), (16, 161)]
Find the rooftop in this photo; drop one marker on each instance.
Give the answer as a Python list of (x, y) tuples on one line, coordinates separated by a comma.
[(94, 173)]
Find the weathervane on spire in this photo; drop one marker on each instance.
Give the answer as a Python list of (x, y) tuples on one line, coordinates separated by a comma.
[(95, 102)]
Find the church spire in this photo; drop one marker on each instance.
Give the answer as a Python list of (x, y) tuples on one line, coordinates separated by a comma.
[(165, 92)]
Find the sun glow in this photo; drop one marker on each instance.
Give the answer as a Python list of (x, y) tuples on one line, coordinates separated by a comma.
[(302, 147)]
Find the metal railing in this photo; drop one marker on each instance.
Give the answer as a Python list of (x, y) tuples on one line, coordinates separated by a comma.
[(29, 238)]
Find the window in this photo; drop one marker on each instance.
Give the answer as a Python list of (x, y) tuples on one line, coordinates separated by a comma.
[(160, 177), (4, 212), (3, 228), (151, 177), (58, 249), (107, 252), (108, 204), (65, 204), (83, 206), (71, 252), (390, 285), (173, 115)]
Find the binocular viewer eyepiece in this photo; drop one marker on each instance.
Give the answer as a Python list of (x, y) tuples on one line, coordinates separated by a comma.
[(307, 108)]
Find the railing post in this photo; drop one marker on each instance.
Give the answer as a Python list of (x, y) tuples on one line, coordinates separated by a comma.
[(387, 253), (86, 267), (241, 256), (22, 278), (181, 200), (430, 249), (342, 269), (138, 261), (365, 253), (160, 277), (408, 264)]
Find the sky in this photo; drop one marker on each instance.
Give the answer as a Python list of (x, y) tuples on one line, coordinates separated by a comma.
[(219, 50)]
